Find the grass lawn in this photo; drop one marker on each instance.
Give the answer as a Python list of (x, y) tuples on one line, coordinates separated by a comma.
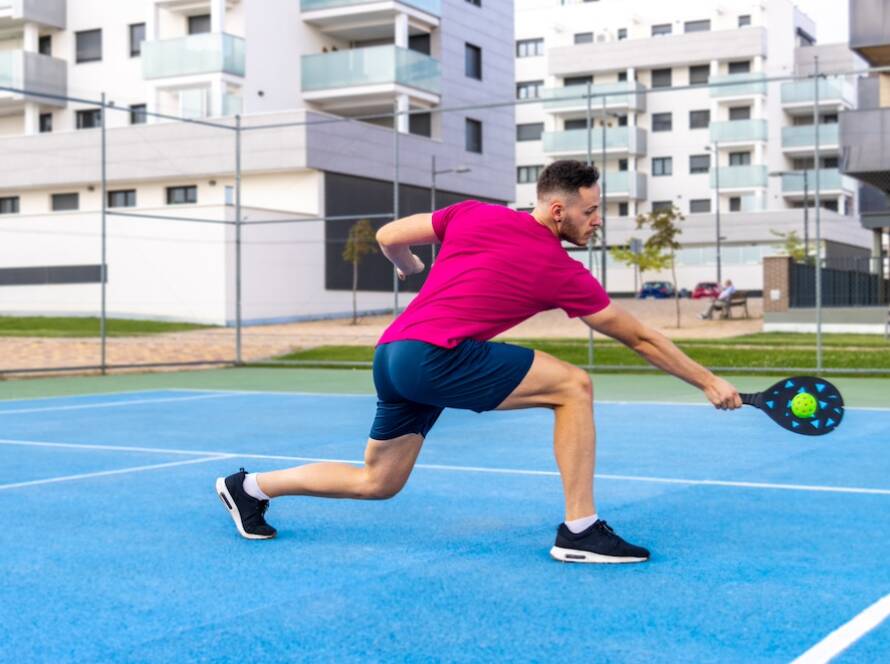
[(42, 326)]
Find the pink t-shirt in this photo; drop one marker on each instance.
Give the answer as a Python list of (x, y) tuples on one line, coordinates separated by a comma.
[(496, 268)]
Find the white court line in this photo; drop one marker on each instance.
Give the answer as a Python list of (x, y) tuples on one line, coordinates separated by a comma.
[(115, 393), (120, 471), (846, 635), (112, 404), (470, 469)]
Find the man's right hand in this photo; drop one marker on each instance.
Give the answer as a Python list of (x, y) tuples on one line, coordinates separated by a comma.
[(722, 394)]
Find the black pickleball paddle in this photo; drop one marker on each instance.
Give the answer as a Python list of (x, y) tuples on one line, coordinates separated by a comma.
[(802, 404)]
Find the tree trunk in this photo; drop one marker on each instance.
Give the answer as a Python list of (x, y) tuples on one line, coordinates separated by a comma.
[(676, 289), (354, 292)]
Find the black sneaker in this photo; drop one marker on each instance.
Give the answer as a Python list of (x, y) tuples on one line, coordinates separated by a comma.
[(597, 544), (247, 512)]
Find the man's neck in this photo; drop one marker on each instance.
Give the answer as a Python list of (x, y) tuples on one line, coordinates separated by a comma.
[(545, 220)]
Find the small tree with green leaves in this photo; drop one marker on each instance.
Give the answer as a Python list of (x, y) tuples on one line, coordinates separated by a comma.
[(359, 243), (648, 258), (792, 245)]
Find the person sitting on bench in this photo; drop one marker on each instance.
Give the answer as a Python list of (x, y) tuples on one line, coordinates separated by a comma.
[(721, 303)]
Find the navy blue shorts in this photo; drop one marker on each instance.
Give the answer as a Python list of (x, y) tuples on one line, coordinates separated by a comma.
[(416, 381)]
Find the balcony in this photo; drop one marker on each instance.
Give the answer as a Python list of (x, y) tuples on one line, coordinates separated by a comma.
[(739, 177), (570, 100), (208, 53), (739, 131), (362, 20), (433, 7), (738, 86), (798, 96), (48, 13), (33, 72), (625, 185), (803, 138), (573, 142), (830, 182), (865, 135)]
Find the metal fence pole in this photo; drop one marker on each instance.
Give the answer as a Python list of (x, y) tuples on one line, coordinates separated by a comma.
[(590, 241), (604, 201), (818, 218), (103, 270), (395, 201), (237, 239), (433, 205)]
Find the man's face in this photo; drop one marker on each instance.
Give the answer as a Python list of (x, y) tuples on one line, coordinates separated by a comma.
[(579, 216)]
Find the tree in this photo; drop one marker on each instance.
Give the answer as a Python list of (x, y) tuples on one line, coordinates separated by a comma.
[(360, 243), (792, 246), (648, 258)]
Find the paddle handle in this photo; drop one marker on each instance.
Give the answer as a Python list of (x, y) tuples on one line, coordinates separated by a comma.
[(755, 399)]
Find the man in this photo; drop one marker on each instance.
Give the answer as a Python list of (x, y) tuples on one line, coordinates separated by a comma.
[(721, 303), (496, 268)]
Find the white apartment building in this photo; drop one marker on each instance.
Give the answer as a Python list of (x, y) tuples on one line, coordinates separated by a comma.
[(669, 144), (293, 64)]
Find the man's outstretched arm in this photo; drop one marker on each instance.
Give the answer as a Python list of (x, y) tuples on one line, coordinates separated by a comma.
[(396, 237), (658, 350)]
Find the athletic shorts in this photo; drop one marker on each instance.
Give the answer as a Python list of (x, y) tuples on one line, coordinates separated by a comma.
[(416, 381)]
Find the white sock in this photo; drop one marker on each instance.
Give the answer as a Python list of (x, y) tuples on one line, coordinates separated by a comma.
[(579, 525), (252, 488)]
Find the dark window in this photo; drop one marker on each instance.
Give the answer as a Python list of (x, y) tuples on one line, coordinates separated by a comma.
[(9, 205), (740, 67), (828, 118), (65, 201), (661, 78), (137, 36), (528, 174), (89, 119), (473, 135), (420, 43), (622, 164), (739, 158), (88, 45), (830, 205), (473, 61), (662, 122), (662, 166), (182, 195), (199, 24), (575, 124), (622, 120), (478, 3), (622, 76), (622, 33), (662, 29), (698, 205), (420, 124), (46, 123), (623, 209), (529, 132), (529, 89), (122, 198), (577, 80), (698, 74), (699, 163), (699, 119), (829, 162), (697, 26), (744, 19), (45, 45), (662, 206), (527, 48), (583, 37), (740, 113), (735, 203), (802, 163), (137, 114)]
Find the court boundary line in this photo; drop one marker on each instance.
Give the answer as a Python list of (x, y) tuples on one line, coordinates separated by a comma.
[(114, 404), (217, 454), (847, 634), (93, 394)]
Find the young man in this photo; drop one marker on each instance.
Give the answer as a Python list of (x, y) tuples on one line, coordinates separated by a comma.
[(496, 268)]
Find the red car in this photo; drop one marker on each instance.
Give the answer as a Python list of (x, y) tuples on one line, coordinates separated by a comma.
[(706, 289)]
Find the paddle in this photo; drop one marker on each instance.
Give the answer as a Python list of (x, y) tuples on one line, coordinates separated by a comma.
[(802, 404)]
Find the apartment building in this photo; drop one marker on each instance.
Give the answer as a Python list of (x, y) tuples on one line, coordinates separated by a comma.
[(685, 114), (298, 65)]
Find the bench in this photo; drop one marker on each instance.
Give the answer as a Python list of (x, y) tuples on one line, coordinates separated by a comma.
[(737, 299)]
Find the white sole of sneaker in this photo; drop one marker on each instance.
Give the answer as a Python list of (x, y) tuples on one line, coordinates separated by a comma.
[(232, 508), (576, 556)]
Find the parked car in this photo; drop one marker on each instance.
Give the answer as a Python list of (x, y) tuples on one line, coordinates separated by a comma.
[(657, 289), (706, 289)]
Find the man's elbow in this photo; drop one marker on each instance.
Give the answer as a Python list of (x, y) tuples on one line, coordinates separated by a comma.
[(383, 236)]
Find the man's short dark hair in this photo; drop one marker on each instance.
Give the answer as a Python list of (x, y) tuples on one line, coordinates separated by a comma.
[(566, 176)]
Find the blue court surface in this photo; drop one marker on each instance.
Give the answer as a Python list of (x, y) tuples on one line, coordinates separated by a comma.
[(766, 546)]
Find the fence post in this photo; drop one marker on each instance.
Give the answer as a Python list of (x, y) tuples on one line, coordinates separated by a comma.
[(103, 271), (590, 241), (238, 359), (818, 218), (395, 201)]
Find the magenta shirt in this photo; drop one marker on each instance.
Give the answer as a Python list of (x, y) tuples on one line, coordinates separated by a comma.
[(496, 268)]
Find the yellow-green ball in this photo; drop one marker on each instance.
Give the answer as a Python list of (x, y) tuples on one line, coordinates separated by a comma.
[(803, 405)]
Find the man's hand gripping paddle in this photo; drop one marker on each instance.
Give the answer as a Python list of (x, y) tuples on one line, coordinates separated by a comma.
[(802, 404)]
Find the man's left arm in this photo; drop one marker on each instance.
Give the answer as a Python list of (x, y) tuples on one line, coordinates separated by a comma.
[(396, 237)]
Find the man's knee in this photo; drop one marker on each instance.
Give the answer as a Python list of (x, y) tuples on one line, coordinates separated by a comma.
[(578, 386), (376, 487)]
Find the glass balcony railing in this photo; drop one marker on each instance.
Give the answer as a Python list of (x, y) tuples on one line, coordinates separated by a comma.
[(746, 85), (739, 177), (433, 7), (803, 92), (34, 72), (11, 69), (369, 66), (829, 178), (735, 131), (574, 141), (627, 94), (805, 136), (196, 54), (232, 104), (626, 183)]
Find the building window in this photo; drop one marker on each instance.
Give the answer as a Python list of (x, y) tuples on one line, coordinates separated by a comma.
[(122, 198), (478, 3), (88, 46), (89, 119), (622, 76), (229, 193), (622, 164), (199, 24), (699, 74), (46, 123), (740, 113), (473, 62), (182, 195), (699, 119), (830, 205), (583, 37), (529, 132), (623, 209), (699, 163), (740, 67), (45, 45), (662, 206), (529, 89), (699, 205), (529, 48), (735, 203), (9, 205), (697, 26), (662, 122), (739, 158), (65, 202), (802, 163), (420, 124), (828, 118), (137, 36), (744, 19), (661, 78), (569, 125), (829, 162), (577, 80), (137, 114), (622, 120), (622, 33), (528, 174), (662, 166), (473, 135), (662, 29)]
